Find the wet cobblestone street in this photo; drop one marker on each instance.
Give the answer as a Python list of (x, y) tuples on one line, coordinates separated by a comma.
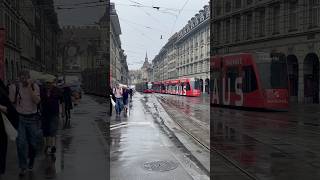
[(81, 150), (270, 145), (141, 148)]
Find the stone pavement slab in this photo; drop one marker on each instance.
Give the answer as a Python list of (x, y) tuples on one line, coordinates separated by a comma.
[(81, 150)]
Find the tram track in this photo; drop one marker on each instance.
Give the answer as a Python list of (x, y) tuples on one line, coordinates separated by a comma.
[(164, 103), (196, 123), (284, 140), (291, 123), (236, 116)]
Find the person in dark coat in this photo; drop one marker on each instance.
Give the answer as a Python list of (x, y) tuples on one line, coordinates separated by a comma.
[(51, 98), (131, 94), (8, 109), (67, 100), (125, 98)]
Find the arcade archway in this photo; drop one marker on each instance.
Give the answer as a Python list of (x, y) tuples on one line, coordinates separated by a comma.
[(311, 78), (293, 73), (201, 85), (207, 85)]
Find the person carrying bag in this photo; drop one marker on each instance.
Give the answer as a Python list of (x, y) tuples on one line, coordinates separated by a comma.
[(112, 101), (8, 125), (26, 97)]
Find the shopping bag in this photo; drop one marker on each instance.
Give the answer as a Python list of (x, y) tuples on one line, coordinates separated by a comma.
[(112, 102), (128, 110), (10, 130)]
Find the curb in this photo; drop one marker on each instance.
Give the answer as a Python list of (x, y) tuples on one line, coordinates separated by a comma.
[(164, 119)]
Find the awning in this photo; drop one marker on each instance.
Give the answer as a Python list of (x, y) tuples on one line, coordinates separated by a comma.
[(36, 75)]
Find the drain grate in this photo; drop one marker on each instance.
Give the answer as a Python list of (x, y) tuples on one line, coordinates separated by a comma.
[(160, 166)]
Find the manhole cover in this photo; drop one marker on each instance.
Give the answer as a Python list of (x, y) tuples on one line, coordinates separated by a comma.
[(160, 166)]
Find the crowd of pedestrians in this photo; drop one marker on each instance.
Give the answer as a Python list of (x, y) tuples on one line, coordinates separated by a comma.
[(120, 95), (32, 109)]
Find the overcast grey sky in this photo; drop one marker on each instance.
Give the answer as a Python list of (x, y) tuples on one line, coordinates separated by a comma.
[(142, 27)]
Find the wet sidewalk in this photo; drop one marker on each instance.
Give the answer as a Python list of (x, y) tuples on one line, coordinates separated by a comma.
[(141, 149), (81, 150)]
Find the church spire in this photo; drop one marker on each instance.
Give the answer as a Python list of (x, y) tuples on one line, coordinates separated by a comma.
[(146, 59)]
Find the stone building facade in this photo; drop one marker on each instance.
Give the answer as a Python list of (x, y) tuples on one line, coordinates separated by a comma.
[(119, 71), (79, 49), (289, 27), (193, 49), (10, 20), (186, 54), (135, 77), (31, 36)]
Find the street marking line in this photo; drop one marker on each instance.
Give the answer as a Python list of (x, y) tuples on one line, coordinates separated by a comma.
[(125, 124), (118, 124)]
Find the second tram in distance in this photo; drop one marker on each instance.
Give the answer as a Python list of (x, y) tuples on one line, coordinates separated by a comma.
[(183, 87), (252, 80), (145, 87)]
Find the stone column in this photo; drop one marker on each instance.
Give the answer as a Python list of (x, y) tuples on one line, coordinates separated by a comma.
[(300, 80)]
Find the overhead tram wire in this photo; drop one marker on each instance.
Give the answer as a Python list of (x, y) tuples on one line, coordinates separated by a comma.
[(147, 27), (142, 33), (98, 3), (153, 7), (178, 16), (148, 14), (165, 11), (104, 3)]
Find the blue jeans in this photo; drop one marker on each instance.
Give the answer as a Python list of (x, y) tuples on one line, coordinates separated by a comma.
[(28, 140), (119, 102)]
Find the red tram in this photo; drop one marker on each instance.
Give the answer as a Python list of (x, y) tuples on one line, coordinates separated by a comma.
[(183, 87), (253, 80), (145, 87), (157, 87)]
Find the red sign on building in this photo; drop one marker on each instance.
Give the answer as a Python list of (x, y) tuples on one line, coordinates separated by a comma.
[(2, 65)]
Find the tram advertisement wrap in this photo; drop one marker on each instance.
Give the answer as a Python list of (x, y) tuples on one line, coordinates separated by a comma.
[(2, 39), (226, 93)]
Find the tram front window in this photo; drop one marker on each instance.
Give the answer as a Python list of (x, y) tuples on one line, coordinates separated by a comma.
[(195, 84), (149, 86), (273, 75), (188, 88)]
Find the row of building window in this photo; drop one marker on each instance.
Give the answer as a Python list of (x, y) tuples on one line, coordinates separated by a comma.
[(194, 51), (194, 68), (12, 29), (255, 23), (203, 15), (184, 60), (198, 40)]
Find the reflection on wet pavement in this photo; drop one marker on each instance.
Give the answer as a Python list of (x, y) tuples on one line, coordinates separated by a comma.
[(191, 113), (137, 141), (270, 145)]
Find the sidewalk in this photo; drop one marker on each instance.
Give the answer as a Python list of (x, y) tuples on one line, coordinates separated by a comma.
[(81, 150), (141, 150)]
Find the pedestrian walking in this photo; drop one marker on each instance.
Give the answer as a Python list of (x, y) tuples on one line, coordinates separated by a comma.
[(125, 99), (67, 101), (9, 111), (51, 98), (26, 96), (131, 94), (119, 99)]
